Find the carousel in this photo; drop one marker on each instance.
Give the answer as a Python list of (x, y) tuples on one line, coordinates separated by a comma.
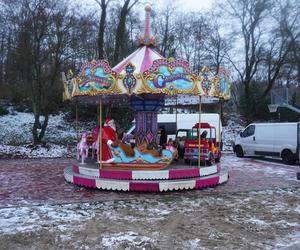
[(146, 82)]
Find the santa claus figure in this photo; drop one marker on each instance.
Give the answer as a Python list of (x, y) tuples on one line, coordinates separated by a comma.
[(109, 137)]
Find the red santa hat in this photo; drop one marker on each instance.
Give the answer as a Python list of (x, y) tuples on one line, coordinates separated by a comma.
[(107, 120)]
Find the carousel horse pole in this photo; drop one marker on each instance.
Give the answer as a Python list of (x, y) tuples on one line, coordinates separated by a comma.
[(199, 131), (82, 148), (99, 156), (95, 147), (76, 122)]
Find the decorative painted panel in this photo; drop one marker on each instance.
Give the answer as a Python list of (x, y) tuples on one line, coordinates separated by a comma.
[(96, 77), (223, 85), (207, 82), (170, 76)]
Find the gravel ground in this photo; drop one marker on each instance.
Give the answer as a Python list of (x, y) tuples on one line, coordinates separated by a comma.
[(232, 216), (187, 220)]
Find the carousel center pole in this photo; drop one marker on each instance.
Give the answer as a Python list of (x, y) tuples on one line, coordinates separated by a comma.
[(176, 114), (220, 115), (199, 132), (100, 132)]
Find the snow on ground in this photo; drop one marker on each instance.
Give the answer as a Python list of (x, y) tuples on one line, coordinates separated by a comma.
[(267, 165), (16, 136), (48, 151), (229, 133), (187, 220), (16, 129), (193, 244), (289, 242), (28, 219), (131, 238)]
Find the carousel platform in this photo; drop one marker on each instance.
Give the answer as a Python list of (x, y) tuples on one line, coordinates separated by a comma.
[(176, 177)]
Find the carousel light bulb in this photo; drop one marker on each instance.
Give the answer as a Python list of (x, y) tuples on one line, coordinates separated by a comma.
[(148, 7)]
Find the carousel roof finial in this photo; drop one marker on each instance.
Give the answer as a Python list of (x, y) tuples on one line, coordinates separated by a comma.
[(147, 39), (147, 31)]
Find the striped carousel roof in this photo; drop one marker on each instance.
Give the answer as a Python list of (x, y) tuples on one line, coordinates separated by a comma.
[(142, 59), (144, 56)]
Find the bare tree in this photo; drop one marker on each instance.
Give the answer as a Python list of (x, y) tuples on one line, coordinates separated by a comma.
[(103, 5), (166, 30), (43, 36), (250, 15), (282, 41), (3, 44), (218, 45), (119, 50)]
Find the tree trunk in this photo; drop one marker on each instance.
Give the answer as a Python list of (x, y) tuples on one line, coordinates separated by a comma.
[(165, 39), (103, 6), (2, 61), (120, 32), (36, 126), (248, 101), (120, 35), (38, 136), (43, 128)]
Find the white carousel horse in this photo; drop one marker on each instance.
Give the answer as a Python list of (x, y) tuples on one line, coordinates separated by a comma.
[(82, 148)]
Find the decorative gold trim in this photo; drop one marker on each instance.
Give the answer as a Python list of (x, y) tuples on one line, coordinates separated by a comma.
[(112, 90), (117, 87)]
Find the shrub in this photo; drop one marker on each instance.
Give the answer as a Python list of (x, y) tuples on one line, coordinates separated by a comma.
[(3, 110)]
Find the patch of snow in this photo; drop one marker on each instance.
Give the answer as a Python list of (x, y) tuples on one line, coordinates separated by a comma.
[(16, 129), (229, 134), (276, 171), (286, 224), (257, 221), (193, 244), (278, 208), (134, 239), (271, 160), (271, 168), (50, 151), (297, 209), (292, 240), (16, 134), (160, 212), (24, 219)]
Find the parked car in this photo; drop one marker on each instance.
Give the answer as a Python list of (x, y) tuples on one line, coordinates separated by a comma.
[(280, 140)]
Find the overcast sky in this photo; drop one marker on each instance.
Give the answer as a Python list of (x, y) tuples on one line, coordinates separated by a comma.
[(188, 5), (192, 5)]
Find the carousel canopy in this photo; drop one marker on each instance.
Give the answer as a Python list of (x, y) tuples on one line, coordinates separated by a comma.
[(141, 60), (144, 73)]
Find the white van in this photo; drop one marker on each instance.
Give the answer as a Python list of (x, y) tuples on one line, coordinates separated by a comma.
[(185, 121), (270, 139)]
